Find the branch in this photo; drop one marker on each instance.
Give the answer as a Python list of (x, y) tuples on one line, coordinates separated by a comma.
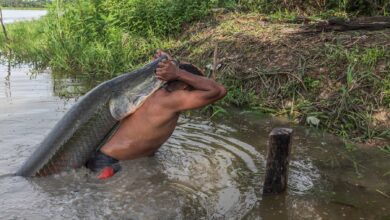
[(3, 26)]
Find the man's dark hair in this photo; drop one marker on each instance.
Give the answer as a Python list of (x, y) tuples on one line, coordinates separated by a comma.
[(191, 68)]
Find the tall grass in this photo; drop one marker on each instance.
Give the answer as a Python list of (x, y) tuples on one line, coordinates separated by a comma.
[(103, 37), (26, 41)]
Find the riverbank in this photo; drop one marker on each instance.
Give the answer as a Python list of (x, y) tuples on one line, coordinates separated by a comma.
[(336, 81)]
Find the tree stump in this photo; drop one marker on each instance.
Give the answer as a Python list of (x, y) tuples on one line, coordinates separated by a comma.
[(278, 158)]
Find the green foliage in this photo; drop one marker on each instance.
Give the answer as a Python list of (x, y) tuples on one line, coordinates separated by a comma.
[(284, 15), (154, 17), (386, 149), (239, 95), (352, 106), (214, 110), (28, 49), (349, 146), (104, 37)]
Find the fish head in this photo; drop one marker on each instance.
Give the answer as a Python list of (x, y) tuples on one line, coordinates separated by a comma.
[(133, 89)]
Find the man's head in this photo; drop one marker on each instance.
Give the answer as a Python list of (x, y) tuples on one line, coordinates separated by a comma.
[(179, 85)]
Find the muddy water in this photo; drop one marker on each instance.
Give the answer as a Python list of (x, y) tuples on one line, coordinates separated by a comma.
[(208, 169)]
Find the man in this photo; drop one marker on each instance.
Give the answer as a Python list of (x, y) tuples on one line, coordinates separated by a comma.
[(144, 131)]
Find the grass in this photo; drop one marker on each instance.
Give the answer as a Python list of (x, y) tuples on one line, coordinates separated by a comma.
[(25, 49), (386, 149)]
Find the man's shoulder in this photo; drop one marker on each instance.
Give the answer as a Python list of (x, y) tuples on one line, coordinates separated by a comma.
[(167, 100)]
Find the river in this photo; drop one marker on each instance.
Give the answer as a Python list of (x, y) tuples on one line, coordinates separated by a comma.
[(209, 168), (10, 15)]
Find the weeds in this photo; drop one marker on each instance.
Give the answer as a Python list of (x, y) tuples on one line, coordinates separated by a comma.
[(386, 149), (337, 82)]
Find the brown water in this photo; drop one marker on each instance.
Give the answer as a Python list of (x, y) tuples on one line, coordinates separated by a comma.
[(208, 169)]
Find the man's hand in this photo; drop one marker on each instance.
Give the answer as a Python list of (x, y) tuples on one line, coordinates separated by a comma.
[(167, 71), (161, 53)]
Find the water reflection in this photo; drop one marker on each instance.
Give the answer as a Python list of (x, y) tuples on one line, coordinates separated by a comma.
[(7, 82)]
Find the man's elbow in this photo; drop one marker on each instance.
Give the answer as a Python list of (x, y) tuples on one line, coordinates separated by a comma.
[(219, 92), (222, 91), (216, 93)]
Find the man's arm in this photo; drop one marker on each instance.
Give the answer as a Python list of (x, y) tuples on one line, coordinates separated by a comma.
[(205, 91)]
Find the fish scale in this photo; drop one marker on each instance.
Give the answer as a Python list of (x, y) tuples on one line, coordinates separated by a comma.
[(89, 122), (89, 134)]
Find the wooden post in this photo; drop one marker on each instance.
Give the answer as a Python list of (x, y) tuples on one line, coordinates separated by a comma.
[(278, 158)]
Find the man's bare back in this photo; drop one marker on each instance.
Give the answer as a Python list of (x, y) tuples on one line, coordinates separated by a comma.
[(144, 131)]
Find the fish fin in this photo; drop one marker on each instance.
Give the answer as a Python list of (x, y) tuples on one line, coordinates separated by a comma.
[(108, 136), (120, 107)]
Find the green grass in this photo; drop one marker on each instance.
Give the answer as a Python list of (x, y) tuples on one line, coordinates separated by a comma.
[(26, 41), (359, 93)]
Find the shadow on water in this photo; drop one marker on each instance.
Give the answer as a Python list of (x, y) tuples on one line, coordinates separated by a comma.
[(208, 169)]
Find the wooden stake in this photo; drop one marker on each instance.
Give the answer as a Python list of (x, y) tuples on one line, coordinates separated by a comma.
[(278, 158)]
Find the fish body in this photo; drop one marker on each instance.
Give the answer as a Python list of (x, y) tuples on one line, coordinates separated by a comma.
[(90, 122)]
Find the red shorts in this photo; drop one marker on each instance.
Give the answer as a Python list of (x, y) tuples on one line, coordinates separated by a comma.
[(103, 164)]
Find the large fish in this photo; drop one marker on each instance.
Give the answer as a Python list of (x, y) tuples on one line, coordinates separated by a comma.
[(91, 121)]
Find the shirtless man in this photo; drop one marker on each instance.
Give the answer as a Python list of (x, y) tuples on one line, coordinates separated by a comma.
[(144, 131)]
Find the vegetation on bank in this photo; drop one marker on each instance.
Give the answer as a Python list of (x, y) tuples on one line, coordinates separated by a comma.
[(336, 81)]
